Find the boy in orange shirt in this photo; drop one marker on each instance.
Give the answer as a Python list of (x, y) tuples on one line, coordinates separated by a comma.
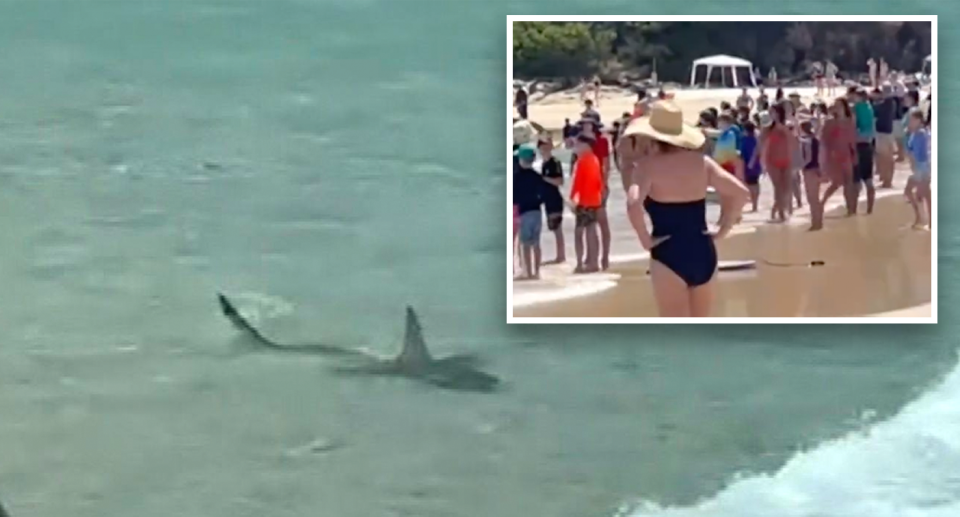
[(587, 197)]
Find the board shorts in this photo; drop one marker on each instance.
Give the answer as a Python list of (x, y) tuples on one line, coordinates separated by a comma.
[(531, 224), (554, 220), (863, 170), (586, 216)]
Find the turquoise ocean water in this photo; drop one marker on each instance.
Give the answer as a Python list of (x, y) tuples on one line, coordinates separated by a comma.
[(326, 163)]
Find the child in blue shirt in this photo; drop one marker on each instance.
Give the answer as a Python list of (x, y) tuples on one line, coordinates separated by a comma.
[(918, 148)]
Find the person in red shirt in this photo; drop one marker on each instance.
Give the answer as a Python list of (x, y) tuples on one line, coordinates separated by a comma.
[(601, 149), (587, 197)]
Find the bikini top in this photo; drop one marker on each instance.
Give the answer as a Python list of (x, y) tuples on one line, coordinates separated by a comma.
[(685, 217), (779, 147)]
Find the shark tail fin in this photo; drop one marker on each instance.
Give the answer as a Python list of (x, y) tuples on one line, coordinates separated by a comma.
[(237, 319), (414, 347)]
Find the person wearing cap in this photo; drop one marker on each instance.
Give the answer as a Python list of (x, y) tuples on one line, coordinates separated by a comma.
[(866, 132), (528, 188), (552, 171), (669, 182), (587, 197), (885, 113), (592, 128)]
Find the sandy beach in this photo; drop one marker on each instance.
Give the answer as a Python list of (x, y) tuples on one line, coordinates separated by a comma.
[(558, 283), (552, 110)]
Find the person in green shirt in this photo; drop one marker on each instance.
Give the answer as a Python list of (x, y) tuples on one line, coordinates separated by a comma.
[(866, 132)]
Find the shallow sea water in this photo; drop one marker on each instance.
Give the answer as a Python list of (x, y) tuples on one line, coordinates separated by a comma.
[(325, 168)]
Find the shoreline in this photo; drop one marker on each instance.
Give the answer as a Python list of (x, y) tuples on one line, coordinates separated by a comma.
[(557, 287), (551, 114)]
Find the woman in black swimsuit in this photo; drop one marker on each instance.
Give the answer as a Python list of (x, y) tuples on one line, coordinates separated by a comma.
[(669, 183)]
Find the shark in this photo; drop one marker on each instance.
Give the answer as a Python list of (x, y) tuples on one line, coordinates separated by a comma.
[(457, 372)]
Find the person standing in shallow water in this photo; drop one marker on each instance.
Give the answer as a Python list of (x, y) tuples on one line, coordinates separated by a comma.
[(528, 188), (552, 171), (587, 197), (601, 149)]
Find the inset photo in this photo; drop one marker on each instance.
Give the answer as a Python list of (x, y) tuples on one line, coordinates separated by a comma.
[(737, 170)]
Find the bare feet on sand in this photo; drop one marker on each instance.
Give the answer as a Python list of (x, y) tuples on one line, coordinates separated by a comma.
[(582, 270)]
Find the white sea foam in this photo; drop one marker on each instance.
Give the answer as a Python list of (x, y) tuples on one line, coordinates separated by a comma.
[(907, 466)]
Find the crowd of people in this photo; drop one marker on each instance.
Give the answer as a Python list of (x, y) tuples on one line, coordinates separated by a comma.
[(809, 152)]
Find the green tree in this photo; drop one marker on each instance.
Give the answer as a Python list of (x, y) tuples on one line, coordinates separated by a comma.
[(570, 51), (560, 50)]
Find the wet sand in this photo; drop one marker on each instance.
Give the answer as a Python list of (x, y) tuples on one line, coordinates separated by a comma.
[(872, 264), (557, 281)]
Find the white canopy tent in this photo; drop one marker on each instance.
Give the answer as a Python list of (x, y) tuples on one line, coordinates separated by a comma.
[(723, 62)]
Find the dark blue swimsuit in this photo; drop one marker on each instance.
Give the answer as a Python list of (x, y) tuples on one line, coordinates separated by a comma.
[(689, 252)]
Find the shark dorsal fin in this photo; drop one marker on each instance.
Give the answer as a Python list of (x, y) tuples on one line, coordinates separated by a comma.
[(414, 353)]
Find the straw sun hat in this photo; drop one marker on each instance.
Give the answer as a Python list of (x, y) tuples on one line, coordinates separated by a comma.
[(665, 124)]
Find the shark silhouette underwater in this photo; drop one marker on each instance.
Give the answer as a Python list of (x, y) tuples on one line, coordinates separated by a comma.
[(457, 372)]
